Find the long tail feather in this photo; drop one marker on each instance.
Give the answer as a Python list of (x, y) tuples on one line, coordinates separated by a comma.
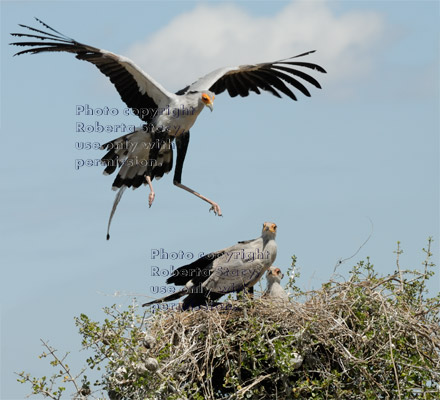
[(115, 204), (171, 297)]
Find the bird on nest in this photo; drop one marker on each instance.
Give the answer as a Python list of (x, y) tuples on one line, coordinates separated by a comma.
[(274, 290), (147, 153), (232, 269)]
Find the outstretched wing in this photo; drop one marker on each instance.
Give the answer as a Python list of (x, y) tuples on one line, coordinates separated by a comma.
[(137, 89), (273, 77)]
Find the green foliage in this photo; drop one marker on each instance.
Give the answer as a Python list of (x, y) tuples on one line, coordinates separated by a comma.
[(293, 273), (369, 337)]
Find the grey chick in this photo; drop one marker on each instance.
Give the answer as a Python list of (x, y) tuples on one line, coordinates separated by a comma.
[(274, 289)]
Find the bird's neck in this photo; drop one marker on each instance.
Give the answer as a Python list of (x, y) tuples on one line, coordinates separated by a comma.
[(270, 284), (270, 247), (179, 116)]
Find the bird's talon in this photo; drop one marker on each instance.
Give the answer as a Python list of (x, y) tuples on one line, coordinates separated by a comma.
[(216, 209), (151, 199)]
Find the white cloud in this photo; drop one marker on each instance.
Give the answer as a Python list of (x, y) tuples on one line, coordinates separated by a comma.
[(212, 36)]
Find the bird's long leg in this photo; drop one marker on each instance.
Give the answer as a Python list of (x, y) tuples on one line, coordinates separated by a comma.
[(152, 195), (214, 206), (182, 145)]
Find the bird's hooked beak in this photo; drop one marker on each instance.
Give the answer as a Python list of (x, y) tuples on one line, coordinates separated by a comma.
[(275, 272), (208, 101)]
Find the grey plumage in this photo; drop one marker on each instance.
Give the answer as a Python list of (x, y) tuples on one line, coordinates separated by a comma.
[(228, 270), (140, 163), (274, 289)]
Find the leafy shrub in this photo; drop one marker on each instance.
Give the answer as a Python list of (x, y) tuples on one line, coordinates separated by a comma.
[(369, 337)]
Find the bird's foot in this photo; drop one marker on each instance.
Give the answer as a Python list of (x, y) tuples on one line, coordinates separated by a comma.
[(151, 197), (216, 208)]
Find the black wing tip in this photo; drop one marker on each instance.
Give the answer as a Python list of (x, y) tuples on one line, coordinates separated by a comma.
[(57, 38), (307, 53), (300, 55), (48, 27), (20, 52), (108, 236), (319, 69), (294, 99), (15, 44), (316, 66), (27, 51)]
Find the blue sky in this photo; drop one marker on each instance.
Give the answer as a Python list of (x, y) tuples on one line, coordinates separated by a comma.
[(365, 147)]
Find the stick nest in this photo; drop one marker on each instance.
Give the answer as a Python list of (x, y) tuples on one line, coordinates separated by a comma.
[(366, 338)]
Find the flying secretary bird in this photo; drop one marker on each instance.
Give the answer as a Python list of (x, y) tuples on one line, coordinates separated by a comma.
[(139, 161), (229, 270)]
